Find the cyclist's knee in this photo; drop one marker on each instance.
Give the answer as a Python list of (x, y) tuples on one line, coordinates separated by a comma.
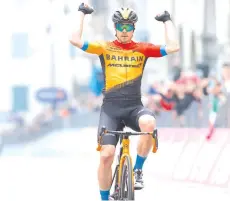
[(147, 123), (107, 154)]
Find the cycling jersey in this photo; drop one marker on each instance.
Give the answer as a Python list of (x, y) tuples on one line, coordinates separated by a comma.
[(123, 66)]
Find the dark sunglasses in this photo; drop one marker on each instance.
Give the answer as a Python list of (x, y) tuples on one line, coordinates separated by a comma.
[(127, 27)]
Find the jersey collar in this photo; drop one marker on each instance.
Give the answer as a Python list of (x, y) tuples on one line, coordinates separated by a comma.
[(126, 46)]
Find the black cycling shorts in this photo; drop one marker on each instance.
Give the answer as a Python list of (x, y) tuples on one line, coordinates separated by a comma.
[(115, 116)]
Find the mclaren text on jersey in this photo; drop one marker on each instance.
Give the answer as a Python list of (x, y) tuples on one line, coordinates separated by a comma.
[(125, 65)]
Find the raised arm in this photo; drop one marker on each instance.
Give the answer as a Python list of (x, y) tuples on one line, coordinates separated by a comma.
[(172, 42), (75, 36)]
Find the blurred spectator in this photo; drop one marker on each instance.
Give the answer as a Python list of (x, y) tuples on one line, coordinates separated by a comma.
[(186, 92), (176, 96), (97, 80), (153, 89), (17, 119), (176, 72), (226, 76)]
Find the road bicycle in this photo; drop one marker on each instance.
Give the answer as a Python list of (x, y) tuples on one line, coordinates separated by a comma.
[(123, 176)]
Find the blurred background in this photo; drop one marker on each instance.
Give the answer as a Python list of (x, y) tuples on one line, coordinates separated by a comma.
[(49, 87)]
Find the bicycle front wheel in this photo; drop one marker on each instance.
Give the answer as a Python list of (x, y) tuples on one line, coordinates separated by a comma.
[(126, 181)]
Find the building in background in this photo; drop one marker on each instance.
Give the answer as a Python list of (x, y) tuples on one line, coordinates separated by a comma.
[(36, 53)]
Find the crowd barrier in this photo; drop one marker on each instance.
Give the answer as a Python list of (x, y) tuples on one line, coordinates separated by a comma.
[(188, 156)]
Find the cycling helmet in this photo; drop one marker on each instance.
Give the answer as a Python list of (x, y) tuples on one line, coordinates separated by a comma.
[(125, 15)]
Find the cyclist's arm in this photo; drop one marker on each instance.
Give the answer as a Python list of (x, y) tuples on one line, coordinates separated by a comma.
[(171, 46), (75, 36), (151, 50), (92, 47), (76, 40), (172, 42)]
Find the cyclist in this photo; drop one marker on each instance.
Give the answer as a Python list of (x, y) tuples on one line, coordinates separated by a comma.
[(123, 62)]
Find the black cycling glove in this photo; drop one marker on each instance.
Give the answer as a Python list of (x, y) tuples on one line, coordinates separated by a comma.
[(85, 9), (163, 17)]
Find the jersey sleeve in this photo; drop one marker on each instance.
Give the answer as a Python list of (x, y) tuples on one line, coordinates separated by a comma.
[(93, 47), (154, 50)]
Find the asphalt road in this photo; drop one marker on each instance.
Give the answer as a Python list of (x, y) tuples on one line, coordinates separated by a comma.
[(63, 167)]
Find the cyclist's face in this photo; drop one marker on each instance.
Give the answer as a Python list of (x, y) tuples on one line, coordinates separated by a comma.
[(124, 32)]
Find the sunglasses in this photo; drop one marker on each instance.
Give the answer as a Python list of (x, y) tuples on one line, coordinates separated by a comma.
[(127, 27)]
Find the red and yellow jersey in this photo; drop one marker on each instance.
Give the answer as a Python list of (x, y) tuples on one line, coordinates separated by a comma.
[(123, 65)]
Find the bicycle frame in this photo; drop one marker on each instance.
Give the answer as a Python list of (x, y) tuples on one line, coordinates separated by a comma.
[(125, 153), (125, 148)]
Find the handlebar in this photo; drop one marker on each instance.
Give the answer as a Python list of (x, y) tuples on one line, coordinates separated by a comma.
[(128, 133)]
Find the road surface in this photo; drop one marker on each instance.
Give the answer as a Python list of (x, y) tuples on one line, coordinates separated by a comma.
[(63, 167)]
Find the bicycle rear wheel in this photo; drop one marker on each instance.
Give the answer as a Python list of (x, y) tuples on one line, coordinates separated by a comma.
[(126, 191)]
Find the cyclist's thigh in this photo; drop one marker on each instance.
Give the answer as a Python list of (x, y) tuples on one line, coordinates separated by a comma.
[(111, 123), (132, 121)]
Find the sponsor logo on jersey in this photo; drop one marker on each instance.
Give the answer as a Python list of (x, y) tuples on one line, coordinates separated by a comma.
[(124, 58), (125, 65)]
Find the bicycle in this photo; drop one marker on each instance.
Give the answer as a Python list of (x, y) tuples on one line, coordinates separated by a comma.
[(123, 176)]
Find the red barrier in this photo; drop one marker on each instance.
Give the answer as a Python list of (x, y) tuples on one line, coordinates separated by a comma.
[(194, 159)]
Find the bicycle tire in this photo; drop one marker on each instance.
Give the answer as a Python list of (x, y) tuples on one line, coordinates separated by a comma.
[(126, 180), (115, 178), (115, 181)]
